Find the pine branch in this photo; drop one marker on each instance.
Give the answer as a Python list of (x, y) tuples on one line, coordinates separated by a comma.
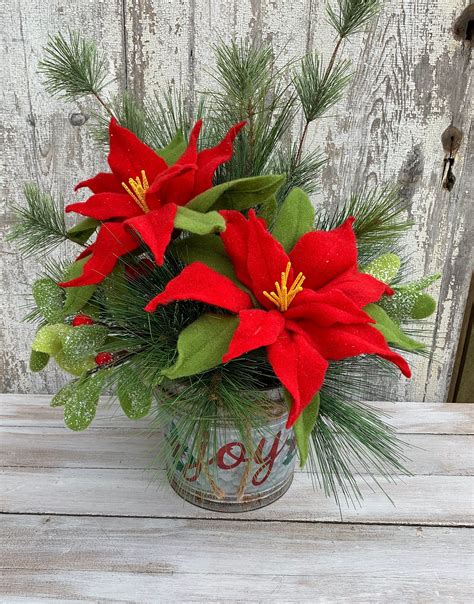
[(350, 16), (379, 224), (250, 88), (319, 88), (40, 225), (128, 112), (170, 111), (303, 173), (74, 68), (350, 439)]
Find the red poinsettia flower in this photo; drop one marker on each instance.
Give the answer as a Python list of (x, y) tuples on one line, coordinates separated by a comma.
[(307, 306), (142, 194)]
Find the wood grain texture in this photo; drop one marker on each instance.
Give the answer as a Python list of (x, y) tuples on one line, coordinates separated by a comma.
[(82, 521), (412, 79), (20, 410), (149, 560)]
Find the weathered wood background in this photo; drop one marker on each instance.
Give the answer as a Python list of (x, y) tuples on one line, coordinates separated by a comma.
[(412, 81)]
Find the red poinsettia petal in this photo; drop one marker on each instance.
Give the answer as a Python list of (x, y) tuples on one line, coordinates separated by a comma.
[(199, 282), (256, 328), (326, 308), (266, 260), (129, 155), (323, 255), (209, 159), (104, 182), (155, 228), (299, 367), (362, 289), (104, 206), (175, 185), (235, 240), (190, 154), (343, 341), (113, 241)]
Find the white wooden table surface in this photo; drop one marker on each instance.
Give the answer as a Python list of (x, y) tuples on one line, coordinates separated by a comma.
[(82, 521)]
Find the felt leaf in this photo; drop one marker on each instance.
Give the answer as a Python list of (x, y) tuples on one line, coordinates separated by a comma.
[(202, 345), (38, 360), (49, 338), (304, 425), (197, 222), (49, 299), (390, 330), (76, 297), (135, 398), (81, 401), (295, 219), (174, 149), (74, 366), (238, 194), (84, 341), (384, 268), (207, 249), (81, 232), (268, 210)]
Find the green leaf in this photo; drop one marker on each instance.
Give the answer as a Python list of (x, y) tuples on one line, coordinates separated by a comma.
[(385, 267), (423, 307), (268, 210), (80, 401), (49, 338), (76, 297), (409, 301), (304, 425), (38, 360), (61, 397), (197, 222), (84, 341), (135, 398), (390, 330), (202, 345), (238, 194), (49, 298), (81, 232), (173, 150), (207, 249), (74, 366), (295, 218)]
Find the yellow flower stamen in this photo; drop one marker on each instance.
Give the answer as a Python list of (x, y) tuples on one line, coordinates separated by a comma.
[(137, 190), (284, 296)]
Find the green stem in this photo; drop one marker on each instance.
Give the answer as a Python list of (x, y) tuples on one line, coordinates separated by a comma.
[(104, 105)]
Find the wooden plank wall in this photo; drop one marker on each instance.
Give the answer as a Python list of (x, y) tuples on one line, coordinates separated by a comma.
[(412, 81)]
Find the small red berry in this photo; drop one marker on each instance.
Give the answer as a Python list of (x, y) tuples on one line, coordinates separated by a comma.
[(104, 358), (82, 320)]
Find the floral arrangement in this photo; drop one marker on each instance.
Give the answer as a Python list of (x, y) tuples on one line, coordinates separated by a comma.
[(206, 278)]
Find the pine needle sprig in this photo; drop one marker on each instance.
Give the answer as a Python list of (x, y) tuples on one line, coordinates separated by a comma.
[(350, 16), (128, 112), (304, 173), (171, 111), (40, 226), (380, 219), (319, 88), (250, 88), (73, 68)]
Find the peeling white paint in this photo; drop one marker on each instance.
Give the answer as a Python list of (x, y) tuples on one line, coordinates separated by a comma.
[(411, 80)]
